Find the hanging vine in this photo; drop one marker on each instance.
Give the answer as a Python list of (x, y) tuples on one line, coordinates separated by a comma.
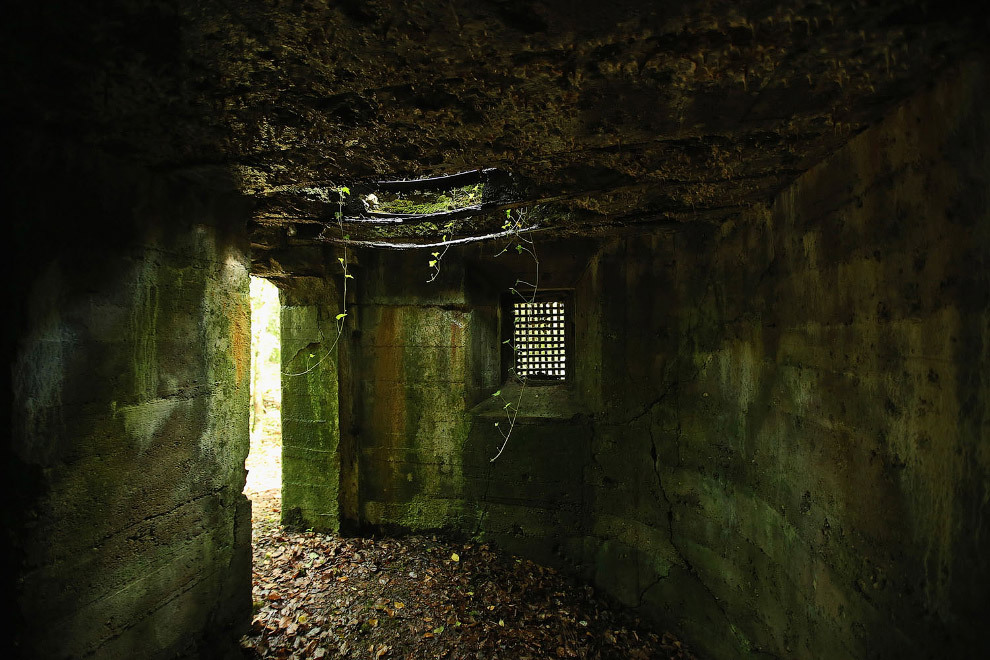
[(342, 193), (434, 263), (516, 226)]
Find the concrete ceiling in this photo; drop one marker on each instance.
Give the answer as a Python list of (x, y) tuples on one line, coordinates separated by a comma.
[(603, 112)]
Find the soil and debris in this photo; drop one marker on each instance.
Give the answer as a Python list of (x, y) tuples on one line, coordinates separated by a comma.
[(324, 596)]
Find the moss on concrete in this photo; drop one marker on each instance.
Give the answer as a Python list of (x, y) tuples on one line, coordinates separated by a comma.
[(777, 441), (310, 406), (129, 402)]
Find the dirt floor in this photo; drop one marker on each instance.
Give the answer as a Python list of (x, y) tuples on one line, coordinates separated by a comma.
[(321, 596)]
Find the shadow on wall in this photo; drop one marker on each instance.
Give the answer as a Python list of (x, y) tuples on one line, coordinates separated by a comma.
[(775, 440)]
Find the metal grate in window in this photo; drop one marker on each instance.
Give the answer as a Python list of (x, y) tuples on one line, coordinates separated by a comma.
[(539, 338)]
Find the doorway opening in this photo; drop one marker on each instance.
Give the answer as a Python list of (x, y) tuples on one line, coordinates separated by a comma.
[(264, 462)]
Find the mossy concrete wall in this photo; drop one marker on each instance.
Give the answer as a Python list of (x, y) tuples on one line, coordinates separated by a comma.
[(820, 432), (127, 532), (415, 374), (424, 362), (776, 438), (311, 461)]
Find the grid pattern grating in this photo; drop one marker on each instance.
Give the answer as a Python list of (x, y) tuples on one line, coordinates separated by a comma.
[(539, 339)]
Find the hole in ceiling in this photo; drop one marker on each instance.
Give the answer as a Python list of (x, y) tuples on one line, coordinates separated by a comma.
[(426, 201), (450, 195)]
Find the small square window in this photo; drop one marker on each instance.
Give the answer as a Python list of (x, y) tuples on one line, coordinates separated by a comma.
[(539, 333)]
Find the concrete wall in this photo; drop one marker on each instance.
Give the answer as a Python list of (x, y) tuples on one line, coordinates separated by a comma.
[(825, 446), (424, 359), (311, 459), (130, 359), (776, 440), (414, 378)]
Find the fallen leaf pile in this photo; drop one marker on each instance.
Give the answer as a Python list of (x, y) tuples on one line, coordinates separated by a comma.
[(322, 596)]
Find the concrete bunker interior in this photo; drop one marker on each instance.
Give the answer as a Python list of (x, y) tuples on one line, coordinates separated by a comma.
[(771, 219)]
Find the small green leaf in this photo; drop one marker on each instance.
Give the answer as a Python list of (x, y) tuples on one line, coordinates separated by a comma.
[(506, 405), (338, 215), (508, 213), (340, 316), (519, 249), (348, 276), (340, 259), (433, 262), (344, 190), (435, 254), (506, 341), (496, 423), (497, 393), (347, 237), (444, 238)]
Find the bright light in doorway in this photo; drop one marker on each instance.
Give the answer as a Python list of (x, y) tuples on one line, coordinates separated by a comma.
[(264, 463)]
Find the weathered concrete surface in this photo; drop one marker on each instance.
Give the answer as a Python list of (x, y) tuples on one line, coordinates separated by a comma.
[(708, 511), (311, 465), (126, 529), (842, 394), (815, 412), (627, 111), (783, 440), (622, 109), (427, 353), (412, 380)]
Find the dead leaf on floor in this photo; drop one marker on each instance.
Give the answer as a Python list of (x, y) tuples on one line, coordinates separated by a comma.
[(320, 596)]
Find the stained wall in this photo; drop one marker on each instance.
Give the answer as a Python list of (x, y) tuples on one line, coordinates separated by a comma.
[(312, 338), (130, 356), (775, 440)]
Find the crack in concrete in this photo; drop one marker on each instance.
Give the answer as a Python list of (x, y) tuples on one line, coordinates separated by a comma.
[(211, 493), (312, 346), (642, 594), (593, 432), (183, 589), (690, 332), (670, 524), (650, 408), (672, 391)]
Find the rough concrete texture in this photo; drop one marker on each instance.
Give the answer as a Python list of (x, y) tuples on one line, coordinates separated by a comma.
[(631, 110), (127, 532), (823, 444), (411, 384), (311, 466), (776, 440), (825, 498)]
